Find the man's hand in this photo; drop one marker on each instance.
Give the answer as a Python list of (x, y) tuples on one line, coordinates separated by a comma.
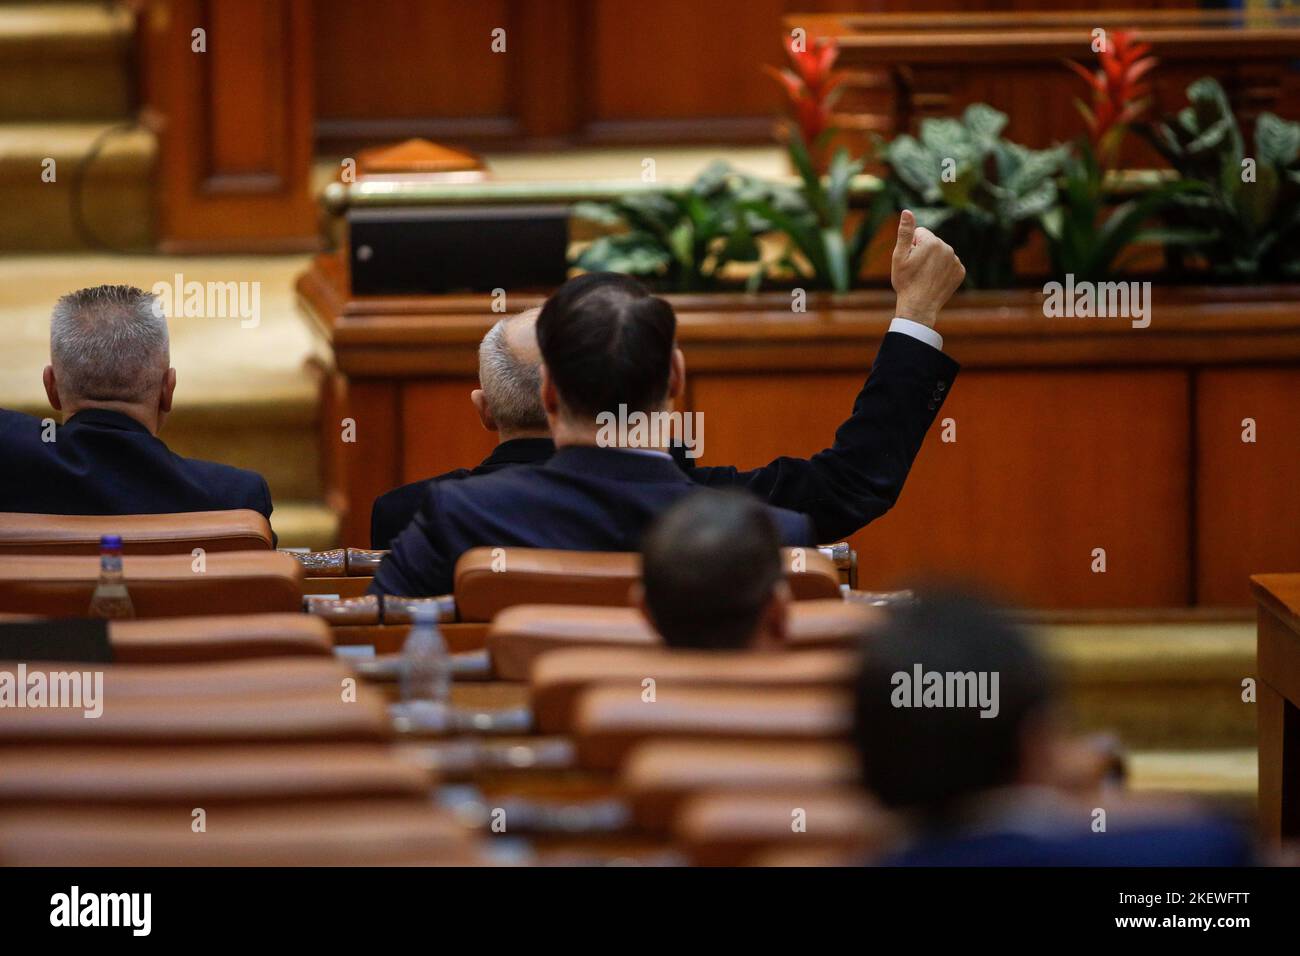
[(925, 272)]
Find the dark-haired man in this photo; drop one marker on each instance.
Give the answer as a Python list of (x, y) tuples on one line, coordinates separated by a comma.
[(841, 489), (956, 727), (712, 576), (609, 348)]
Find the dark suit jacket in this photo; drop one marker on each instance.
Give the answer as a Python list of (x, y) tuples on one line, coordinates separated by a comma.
[(1204, 843), (583, 498), (393, 510), (841, 489), (107, 463)]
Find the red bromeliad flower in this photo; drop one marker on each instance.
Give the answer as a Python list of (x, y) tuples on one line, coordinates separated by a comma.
[(1118, 94), (809, 86)]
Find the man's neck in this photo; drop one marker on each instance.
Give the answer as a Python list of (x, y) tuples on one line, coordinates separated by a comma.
[(504, 436), (146, 416), (568, 433)]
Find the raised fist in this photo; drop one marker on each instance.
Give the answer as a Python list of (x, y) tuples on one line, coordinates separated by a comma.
[(925, 272)]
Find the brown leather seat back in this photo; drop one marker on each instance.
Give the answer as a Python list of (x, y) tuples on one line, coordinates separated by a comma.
[(812, 575), (520, 634), (307, 715), (489, 580), (258, 677), (559, 677), (201, 776), (610, 719), (731, 828), (659, 774), (232, 582), (219, 637), (239, 530), (404, 831)]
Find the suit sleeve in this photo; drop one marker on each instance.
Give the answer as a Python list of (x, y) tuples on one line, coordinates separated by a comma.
[(861, 475), (420, 563)]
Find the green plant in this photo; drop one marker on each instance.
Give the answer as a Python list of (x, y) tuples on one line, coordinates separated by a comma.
[(815, 220), (680, 240), (1084, 235), (1244, 222), (1083, 239), (986, 193)]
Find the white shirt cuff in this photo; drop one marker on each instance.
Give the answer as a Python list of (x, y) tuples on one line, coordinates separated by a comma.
[(917, 331)]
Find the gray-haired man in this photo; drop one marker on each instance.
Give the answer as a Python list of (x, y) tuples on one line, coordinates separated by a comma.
[(508, 403), (110, 376)]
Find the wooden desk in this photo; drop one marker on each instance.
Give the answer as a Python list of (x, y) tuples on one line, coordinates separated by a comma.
[(1278, 676), (1071, 434), (908, 66)]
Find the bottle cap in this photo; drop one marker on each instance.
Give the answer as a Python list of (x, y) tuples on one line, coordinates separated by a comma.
[(110, 542)]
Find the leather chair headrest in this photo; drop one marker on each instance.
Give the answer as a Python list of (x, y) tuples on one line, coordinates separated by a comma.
[(219, 637), (559, 677), (405, 831), (199, 776), (730, 828), (659, 774), (260, 677), (239, 530), (609, 720), (520, 634), (304, 715), (488, 580), (231, 582)]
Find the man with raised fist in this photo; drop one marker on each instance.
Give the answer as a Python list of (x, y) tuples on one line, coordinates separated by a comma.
[(608, 345)]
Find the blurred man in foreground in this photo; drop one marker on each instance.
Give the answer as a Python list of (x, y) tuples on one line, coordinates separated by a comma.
[(956, 728)]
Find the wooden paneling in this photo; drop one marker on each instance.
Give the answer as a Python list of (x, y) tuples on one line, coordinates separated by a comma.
[(371, 463), (396, 59), (1248, 498), (663, 59), (1046, 467), (440, 429), (235, 123), (607, 70)]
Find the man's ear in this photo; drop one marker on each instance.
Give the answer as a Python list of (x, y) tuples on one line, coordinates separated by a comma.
[(51, 388), (677, 375), (167, 391), (481, 406), (550, 397)]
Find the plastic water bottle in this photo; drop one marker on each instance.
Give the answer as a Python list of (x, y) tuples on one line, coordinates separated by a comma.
[(111, 599), (426, 665)]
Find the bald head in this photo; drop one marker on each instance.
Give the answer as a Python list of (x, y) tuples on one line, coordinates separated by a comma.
[(509, 375)]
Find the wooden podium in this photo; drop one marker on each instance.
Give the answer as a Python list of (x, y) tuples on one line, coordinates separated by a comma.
[(1278, 674)]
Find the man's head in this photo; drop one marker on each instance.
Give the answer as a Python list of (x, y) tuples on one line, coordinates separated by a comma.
[(930, 759), (109, 349), (508, 398), (711, 567), (605, 342)]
